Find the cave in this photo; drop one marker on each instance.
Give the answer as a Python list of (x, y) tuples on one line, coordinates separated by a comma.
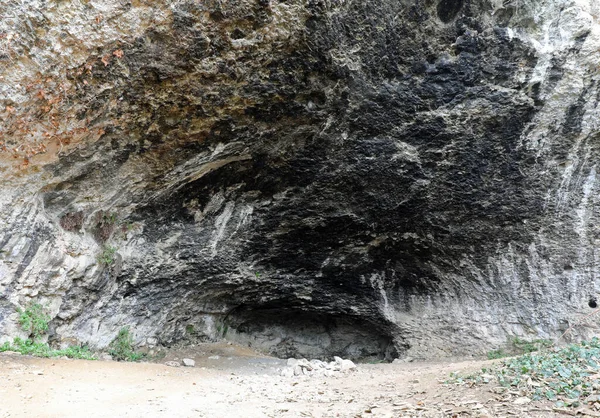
[(365, 179)]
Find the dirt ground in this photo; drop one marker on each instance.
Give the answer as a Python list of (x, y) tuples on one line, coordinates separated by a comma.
[(230, 381)]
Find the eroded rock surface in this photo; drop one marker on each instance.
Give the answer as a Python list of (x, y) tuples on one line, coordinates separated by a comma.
[(364, 179)]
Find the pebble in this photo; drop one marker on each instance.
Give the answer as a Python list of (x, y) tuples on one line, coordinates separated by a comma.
[(188, 362), (347, 365), (287, 372), (172, 363), (522, 401)]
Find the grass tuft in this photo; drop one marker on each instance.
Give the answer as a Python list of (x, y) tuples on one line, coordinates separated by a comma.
[(33, 348)]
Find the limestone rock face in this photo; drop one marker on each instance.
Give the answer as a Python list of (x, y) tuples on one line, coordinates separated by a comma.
[(364, 179)]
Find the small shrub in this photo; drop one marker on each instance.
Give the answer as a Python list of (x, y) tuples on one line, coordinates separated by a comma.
[(496, 354), (34, 320), (107, 256), (80, 352), (103, 225), (121, 348), (524, 346)]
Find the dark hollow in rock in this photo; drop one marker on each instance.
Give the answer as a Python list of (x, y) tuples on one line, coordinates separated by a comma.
[(103, 225), (72, 221), (292, 333), (448, 9)]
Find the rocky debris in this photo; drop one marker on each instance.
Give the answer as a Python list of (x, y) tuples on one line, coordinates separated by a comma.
[(172, 363), (304, 367), (403, 360), (151, 342), (188, 362)]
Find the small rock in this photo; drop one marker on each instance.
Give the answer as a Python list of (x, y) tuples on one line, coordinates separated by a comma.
[(398, 361), (305, 364), (106, 357), (152, 341), (317, 364), (287, 372), (188, 362), (337, 359), (297, 370), (214, 357), (172, 363), (522, 401), (292, 362), (347, 365)]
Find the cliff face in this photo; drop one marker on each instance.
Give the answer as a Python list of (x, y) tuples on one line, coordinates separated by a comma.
[(370, 179)]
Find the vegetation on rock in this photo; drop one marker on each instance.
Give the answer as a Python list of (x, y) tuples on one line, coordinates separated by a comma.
[(38, 349), (34, 319), (121, 348)]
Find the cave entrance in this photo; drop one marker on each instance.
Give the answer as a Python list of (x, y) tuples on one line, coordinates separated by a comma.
[(286, 333)]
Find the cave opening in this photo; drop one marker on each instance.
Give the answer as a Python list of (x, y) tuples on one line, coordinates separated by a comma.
[(294, 333)]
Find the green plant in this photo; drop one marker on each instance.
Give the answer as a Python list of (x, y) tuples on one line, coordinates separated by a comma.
[(34, 320), (121, 348), (222, 329), (518, 346), (566, 375), (107, 256), (496, 354), (103, 225), (32, 348), (524, 346), (110, 218)]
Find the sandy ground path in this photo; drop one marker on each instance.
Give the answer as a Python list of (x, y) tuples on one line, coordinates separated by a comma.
[(242, 385)]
